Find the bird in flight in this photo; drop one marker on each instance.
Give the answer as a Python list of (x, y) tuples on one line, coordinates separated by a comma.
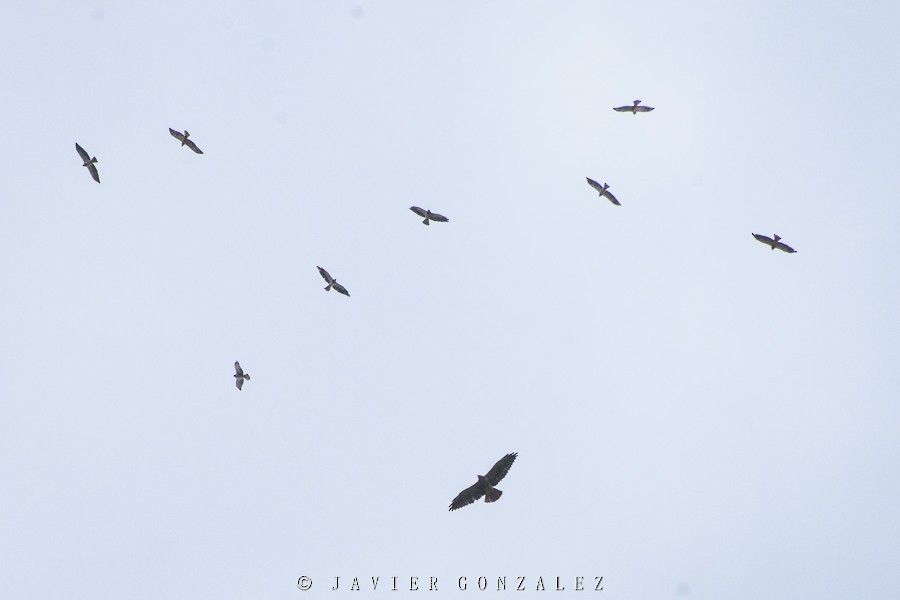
[(604, 190), (485, 484), (183, 138), (633, 109), (332, 282), (774, 243), (239, 375), (88, 162), (429, 216)]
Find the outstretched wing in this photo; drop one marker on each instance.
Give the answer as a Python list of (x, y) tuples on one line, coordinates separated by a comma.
[(501, 468), (594, 184), (643, 108), (623, 108), (439, 218), (176, 134), (419, 211), (784, 247), (93, 170), (328, 278), (468, 496), (764, 239), (239, 382), (238, 370), (81, 152), (612, 198), (339, 288), (190, 144)]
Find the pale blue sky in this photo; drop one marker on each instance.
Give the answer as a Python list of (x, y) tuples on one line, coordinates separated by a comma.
[(695, 415)]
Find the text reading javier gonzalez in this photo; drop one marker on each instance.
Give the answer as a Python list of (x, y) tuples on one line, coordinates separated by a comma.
[(481, 583)]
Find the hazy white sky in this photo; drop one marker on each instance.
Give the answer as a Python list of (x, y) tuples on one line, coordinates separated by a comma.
[(695, 415)]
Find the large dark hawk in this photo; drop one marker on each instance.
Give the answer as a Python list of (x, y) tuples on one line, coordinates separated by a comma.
[(774, 243), (429, 216), (87, 161), (485, 484), (332, 282), (183, 138), (633, 109)]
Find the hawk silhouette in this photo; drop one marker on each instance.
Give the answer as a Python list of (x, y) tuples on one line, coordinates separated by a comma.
[(774, 243), (485, 484), (633, 109), (239, 375), (604, 190), (429, 216), (183, 138), (88, 161), (332, 283)]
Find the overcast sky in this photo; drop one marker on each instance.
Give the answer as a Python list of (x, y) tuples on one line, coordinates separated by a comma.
[(695, 415)]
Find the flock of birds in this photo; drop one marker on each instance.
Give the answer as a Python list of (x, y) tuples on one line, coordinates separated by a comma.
[(604, 192), (485, 485)]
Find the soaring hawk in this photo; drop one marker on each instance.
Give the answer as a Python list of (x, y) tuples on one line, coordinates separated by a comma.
[(239, 375), (604, 190), (183, 138), (633, 109), (429, 216), (88, 162), (485, 484), (774, 243), (332, 282)]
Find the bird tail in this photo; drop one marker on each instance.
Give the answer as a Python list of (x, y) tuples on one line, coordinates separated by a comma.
[(328, 287), (426, 221), (247, 376), (94, 160), (492, 495), (777, 237)]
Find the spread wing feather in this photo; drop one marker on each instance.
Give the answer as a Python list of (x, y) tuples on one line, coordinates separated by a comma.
[(190, 144), (468, 496), (594, 184), (419, 211), (176, 134), (612, 198), (328, 278), (764, 239), (623, 108), (339, 288), (82, 153), (784, 247), (94, 173), (238, 370), (439, 218), (500, 469), (643, 108)]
